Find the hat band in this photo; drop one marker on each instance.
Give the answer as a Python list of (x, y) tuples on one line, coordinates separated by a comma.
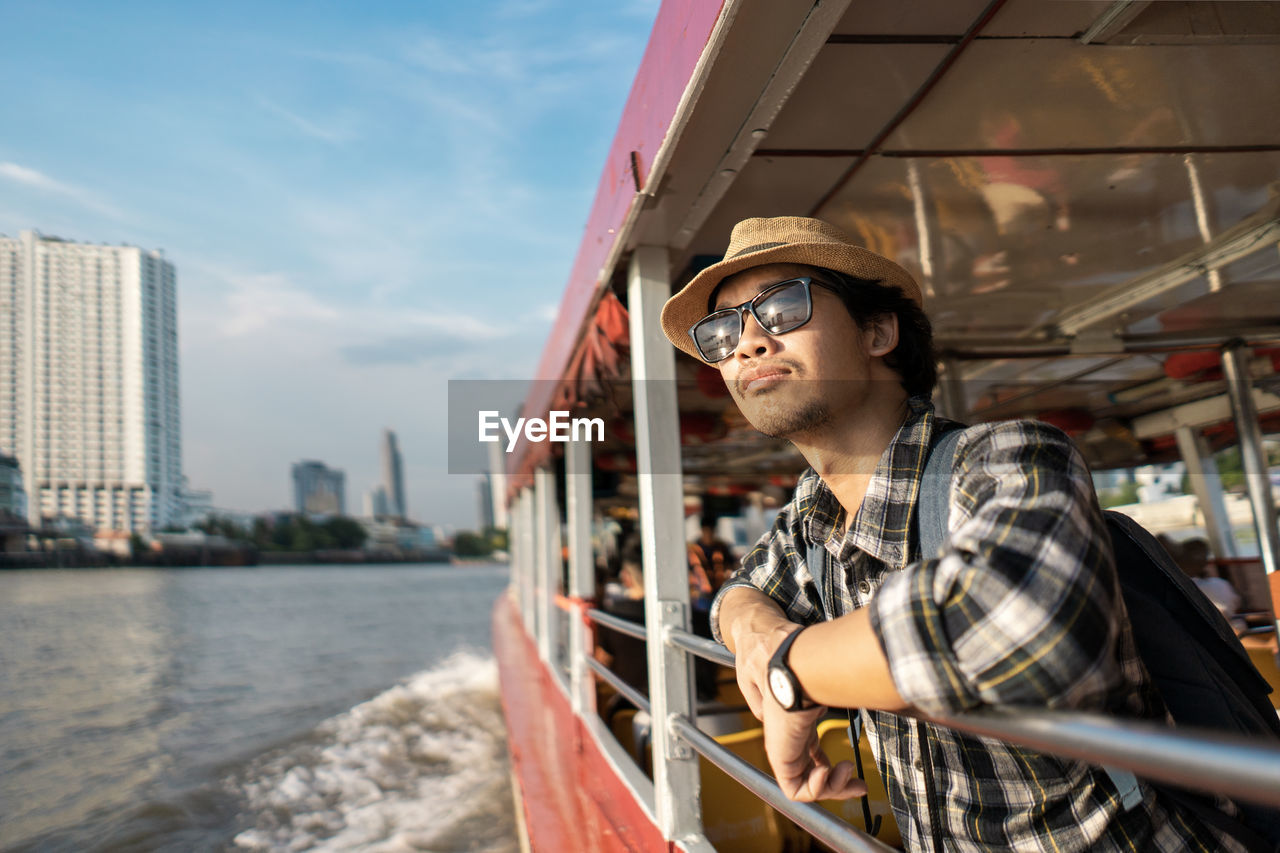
[(758, 247)]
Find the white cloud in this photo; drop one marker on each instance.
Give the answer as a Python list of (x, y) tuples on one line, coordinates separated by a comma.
[(268, 302), (306, 126), (39, 181)]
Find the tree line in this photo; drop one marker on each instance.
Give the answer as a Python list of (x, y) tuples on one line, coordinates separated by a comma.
[(290, 532)]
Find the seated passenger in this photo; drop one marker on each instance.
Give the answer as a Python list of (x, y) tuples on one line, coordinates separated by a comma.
[(624, 654), (1193, 557)]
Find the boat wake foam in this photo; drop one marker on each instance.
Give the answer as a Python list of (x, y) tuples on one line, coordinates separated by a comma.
[(422, 766)]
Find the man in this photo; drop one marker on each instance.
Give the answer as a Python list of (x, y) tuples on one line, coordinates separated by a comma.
[(826, 344)]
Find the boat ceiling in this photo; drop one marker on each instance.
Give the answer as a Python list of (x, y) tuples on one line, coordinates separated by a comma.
[(1025, 175), (1082, 188)]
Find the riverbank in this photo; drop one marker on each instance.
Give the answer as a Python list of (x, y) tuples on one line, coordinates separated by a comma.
[(196, 558)]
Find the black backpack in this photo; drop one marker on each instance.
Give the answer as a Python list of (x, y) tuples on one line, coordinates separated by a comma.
[(1196, 661)]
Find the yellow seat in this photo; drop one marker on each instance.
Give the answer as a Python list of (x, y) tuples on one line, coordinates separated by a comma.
[(834, 738), (621, 724), (734, 819), (1262, 652)]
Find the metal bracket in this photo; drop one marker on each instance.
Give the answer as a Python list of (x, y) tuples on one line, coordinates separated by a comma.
[(1101, 341), (672, 615), (677, 749)]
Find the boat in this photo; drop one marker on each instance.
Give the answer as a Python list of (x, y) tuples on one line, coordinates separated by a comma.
[(1088, 193)]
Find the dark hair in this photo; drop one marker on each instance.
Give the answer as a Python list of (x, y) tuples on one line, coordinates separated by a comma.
[(914, 358)]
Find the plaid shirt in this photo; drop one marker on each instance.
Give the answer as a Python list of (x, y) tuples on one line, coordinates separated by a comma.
[(1021, 607)]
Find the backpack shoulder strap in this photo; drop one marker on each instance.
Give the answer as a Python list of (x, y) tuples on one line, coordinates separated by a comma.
[(934, 504)]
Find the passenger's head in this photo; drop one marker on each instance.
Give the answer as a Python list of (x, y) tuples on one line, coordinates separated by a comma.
[(794, 298), (784, 276), (1193, 557)]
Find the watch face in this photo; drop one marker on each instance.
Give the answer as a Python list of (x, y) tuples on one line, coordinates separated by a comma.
[(782, 688)]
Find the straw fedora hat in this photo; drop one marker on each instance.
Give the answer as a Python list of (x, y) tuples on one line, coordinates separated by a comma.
[(780, 240)]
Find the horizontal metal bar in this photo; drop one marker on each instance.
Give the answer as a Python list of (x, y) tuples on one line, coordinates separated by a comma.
[(1237, 767), (824, 826), (700, 646), (637, 698), (983, 348), (951, 153), (622, 626)]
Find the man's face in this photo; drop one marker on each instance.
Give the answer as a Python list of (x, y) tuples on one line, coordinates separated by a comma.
[(793, 383)]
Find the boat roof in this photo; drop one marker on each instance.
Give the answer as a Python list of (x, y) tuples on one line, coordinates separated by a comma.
[(1088, 192)]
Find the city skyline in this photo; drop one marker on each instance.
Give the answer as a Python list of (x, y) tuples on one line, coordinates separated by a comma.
[(346, 194)]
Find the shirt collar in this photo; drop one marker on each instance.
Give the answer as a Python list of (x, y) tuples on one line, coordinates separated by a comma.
[(883, 525)]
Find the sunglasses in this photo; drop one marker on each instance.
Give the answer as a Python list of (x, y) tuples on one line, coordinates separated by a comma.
[(781, 308)]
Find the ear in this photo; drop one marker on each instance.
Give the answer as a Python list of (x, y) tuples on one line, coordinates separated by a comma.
[(882, 335)]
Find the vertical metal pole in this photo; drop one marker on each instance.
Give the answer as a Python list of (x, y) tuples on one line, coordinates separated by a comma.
[(927, 236), (514, 543), (1206, 485), (582, 569), (1204, 216), (1235, 369), (527, 561), (666, 572), (548, 563)]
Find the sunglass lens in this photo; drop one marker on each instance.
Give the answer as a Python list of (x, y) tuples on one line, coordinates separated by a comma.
[(717, 335), (784, 309)]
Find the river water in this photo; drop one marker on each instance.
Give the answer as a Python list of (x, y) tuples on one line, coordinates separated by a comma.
[(282, 708)]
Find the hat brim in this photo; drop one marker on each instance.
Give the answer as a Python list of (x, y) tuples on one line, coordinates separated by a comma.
[(687, 307)]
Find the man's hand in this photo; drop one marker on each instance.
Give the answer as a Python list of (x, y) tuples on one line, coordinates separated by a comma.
[(754, 649), (803, 771), (753, 627)]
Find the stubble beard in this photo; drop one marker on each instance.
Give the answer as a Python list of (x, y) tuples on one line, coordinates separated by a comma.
[(777, 421)]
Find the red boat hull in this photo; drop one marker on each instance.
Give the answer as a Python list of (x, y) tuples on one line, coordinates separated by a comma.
[(571, 796)]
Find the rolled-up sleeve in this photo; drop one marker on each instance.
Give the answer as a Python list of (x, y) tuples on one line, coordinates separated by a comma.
[(774, 568), (1021, 606)]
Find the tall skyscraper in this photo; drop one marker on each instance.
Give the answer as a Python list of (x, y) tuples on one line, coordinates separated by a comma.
[(393, 475), (485, 489), (319, 489), (375, 503), (89, 398)]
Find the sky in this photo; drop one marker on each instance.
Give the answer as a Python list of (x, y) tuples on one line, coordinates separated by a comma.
[(362, 202)]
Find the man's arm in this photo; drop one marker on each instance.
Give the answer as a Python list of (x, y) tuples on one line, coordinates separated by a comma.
[(753, 626), (838, 663), (1022, 607)]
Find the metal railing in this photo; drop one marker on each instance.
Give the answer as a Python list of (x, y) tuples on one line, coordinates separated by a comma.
[(1237, 767), (816, 820)]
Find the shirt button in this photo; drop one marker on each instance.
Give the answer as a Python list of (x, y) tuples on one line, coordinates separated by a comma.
[(864, 587), (920, 765)]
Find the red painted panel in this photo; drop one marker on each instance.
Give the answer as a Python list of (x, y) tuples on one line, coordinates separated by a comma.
[(679, 36), (572, 799)]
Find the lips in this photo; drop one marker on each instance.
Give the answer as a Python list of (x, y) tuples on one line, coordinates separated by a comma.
[(761, 377)]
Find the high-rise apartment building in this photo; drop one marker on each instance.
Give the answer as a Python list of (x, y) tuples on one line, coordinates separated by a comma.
[(89, 399), (393, 475), (319, 489)]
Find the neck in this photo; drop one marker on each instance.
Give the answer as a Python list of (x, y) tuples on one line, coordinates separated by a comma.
[(846, 451)]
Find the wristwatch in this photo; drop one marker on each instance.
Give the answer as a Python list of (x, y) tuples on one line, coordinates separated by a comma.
[(783, 683)]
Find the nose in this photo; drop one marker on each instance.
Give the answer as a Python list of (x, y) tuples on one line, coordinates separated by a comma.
[(755, 341)]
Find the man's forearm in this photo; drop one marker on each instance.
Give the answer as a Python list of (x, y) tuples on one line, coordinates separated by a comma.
[(747, 610), (840, 664)]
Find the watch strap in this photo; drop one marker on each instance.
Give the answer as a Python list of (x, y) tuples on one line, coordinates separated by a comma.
[(781, 660)]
